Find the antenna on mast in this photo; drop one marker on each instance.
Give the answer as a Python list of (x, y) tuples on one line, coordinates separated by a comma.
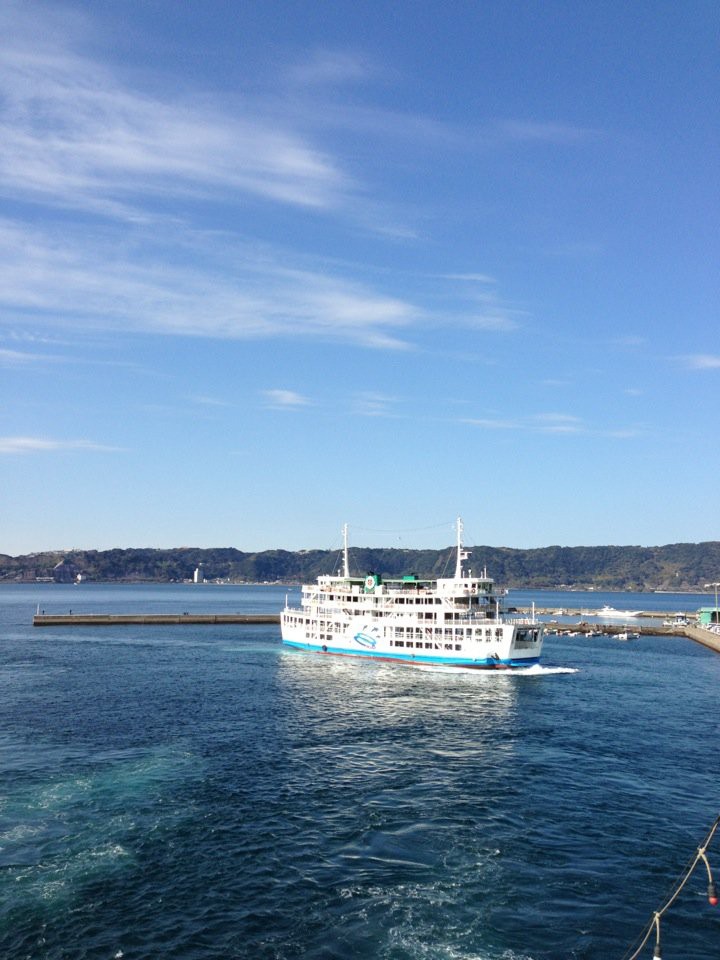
[(346, 564)]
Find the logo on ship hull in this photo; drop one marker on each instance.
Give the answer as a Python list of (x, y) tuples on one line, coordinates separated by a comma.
[(365, 640), (365, 635)]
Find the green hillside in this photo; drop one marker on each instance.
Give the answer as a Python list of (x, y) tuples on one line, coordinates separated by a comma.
[(675, 567)]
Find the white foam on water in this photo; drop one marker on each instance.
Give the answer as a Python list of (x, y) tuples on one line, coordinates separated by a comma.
[(20, 833), (538, 670), (77, 827), (423, 950)]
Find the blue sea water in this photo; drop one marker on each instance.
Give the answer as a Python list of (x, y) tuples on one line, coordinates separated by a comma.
[(200, 792)]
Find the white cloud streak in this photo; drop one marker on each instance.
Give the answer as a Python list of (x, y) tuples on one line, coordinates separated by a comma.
[(372, 404), (20, 357), (703, 361), (24, 445), (551, 423), (81, 280), (285, 399), (77, 137), (72, 134)]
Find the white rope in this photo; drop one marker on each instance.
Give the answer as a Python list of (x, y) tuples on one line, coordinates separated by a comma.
[(655, 922)]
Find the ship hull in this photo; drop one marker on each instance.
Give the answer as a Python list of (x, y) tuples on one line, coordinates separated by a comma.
[(416, 660)]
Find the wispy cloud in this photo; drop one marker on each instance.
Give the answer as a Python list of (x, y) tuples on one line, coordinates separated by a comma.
[(84, 138), (559, 423), (74, 134), (327, 66), (628, 433), (702, 361), (537, 423), (78, 278), (552, 423), (285, 399), (546, 131), (22, 445), (468, 277), (476, 303), (498, 321), (490, 423), (372, 404), (20, 357)]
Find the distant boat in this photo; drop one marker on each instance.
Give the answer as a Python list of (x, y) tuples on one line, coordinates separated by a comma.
[(623, 614)]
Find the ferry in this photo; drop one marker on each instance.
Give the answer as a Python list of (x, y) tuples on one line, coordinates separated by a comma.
[(456, 621)]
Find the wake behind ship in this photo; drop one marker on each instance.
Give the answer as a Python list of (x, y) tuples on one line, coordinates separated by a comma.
[(456, 621)]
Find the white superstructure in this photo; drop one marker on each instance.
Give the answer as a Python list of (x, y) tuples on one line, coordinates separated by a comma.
[(451, 621)]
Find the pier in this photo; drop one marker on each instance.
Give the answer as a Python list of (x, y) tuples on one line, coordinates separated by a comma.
[(699, 634), (148, 619)]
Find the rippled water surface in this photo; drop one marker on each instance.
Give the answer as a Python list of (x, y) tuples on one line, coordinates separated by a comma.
[(198, 792)]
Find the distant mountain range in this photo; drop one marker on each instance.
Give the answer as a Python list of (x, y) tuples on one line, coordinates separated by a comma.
[(674, 567)]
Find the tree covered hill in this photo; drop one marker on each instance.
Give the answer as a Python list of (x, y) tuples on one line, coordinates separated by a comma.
[(676, 567)]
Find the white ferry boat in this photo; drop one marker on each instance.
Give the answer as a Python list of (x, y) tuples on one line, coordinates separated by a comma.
[(453, 621), (607, 611)]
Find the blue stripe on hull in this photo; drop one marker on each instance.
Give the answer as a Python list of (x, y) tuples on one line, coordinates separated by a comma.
[(488, 663)]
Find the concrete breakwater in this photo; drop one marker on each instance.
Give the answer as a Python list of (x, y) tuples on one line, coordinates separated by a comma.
[(544, 612), (699, 634), (148, 619)]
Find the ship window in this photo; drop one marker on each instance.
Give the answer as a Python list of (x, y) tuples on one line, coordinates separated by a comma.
[(458, 646), (399, 643), (448, 646), (428, 646)]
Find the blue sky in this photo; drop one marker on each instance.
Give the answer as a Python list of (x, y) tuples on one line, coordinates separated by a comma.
[(267, 268)]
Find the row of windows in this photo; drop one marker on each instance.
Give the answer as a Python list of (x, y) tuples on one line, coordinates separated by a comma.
[(426, 646), (469, 632), (412, 633)]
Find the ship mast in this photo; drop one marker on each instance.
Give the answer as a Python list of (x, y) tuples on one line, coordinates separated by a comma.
[(461, 554), (346, 563)]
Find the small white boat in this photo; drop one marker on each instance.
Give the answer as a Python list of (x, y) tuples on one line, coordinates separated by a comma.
[(621, 614)]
